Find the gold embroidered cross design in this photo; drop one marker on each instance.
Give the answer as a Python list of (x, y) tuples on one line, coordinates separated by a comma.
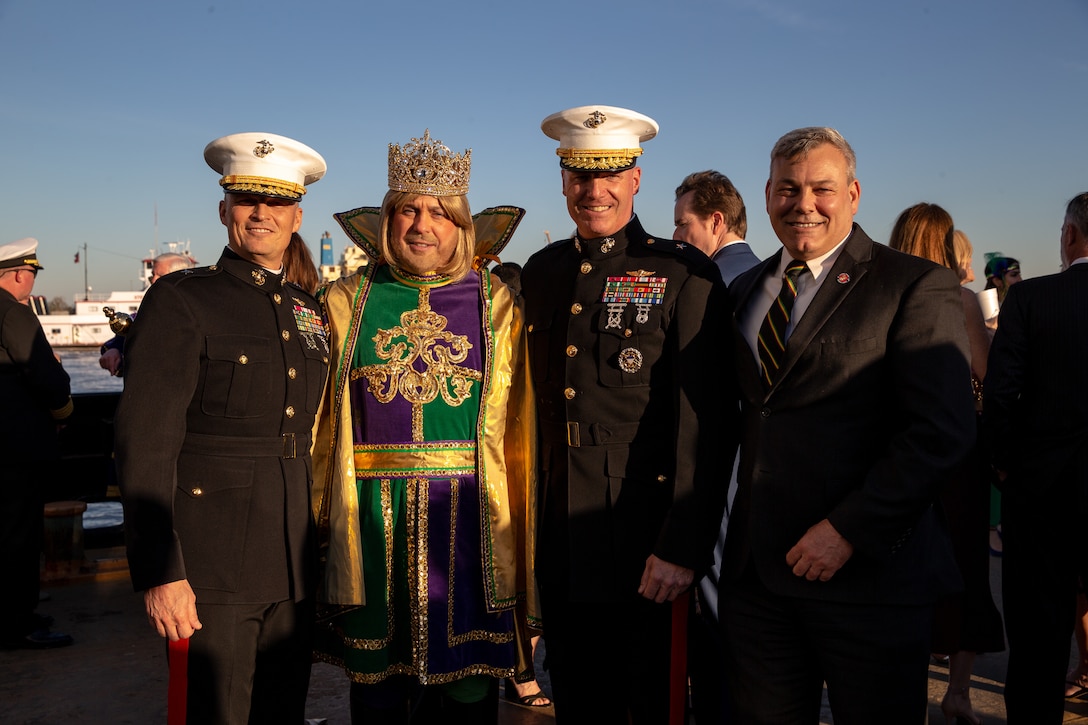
[(421, 336)]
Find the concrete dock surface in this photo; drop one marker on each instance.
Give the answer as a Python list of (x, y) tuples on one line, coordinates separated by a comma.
[(116, 670)]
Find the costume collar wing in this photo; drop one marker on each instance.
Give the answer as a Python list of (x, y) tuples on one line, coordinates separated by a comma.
[(494, 228)]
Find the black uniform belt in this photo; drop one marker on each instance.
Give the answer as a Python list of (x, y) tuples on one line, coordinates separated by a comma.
[(578, 435), (288, 445)]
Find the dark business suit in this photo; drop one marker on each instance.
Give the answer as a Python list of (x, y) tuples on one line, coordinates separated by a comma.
[(870, 410), (638, 429), (223, 374), (705, 663), (733, 259), (1035, 423)]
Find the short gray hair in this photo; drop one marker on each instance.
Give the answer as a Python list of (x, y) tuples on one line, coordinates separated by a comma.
[(1077, 211), (173, 262), (799, 142)]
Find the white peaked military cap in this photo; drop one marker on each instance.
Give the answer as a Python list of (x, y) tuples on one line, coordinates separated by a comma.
[(20, 253), (265, 164), (599, 138)]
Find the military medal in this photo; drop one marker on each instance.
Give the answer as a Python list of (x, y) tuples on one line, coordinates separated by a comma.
[(630, 360), (639, 288), (309, 324), (615, 315)]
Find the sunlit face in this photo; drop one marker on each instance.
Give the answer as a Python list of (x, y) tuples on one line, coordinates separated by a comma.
[(695, 230), (259, 227), (19, 282), (811, 201), (424, 237), (601, 202)]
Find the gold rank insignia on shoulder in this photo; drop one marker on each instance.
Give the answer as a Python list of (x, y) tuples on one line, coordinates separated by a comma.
[(258, 276)]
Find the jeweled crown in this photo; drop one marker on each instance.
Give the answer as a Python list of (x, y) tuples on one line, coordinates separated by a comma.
[(426, 166)]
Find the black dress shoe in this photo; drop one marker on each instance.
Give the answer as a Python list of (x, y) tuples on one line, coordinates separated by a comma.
[(39, 639)]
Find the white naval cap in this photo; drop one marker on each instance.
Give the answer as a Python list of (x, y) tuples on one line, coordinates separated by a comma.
[(265, 164), (599, 138), (20, 253)]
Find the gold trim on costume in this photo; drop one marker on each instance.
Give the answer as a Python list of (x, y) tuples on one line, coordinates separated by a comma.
[(435, 460), (418, 499), (452, 638), (404, 669), (419, 280)]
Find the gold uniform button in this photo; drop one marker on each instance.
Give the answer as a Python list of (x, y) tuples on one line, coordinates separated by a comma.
[(576, 309), (569, 393), (243, 359), (571, 350), (286, 335), (325, 360), (198, 491), (627, 332), (277, 298), (662, 478), (290, 412), (291, 373), (586, 267)]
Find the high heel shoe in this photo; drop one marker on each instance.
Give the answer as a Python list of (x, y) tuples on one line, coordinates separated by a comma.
[(957, 709), (510, 693)]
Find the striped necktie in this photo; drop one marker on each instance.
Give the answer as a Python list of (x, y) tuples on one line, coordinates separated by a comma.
[(772, 333)]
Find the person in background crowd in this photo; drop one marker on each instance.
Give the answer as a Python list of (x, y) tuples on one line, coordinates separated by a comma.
[(1001, 274), (112, 351), (426, 484), (37, 396), (709, 214), (224, 374), (853, 370), (1035, 424), (638, 438), (968, 622)]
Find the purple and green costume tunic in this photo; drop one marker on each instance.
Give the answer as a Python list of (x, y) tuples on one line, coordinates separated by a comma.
[(417, 373)]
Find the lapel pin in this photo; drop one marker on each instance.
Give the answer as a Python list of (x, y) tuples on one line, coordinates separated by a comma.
[(843, 278)]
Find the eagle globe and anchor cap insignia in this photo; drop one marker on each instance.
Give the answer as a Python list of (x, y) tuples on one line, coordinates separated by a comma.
[(264, 148)]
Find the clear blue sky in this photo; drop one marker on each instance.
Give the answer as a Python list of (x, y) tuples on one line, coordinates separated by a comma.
[(105, 108)]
